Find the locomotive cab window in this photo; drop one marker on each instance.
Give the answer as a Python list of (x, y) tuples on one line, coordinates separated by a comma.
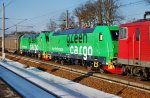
[(137, 34), (100, 37), (114, 34), (123, 32), (47, 39)]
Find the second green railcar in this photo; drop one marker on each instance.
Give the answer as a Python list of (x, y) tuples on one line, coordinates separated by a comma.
[(35, 44)]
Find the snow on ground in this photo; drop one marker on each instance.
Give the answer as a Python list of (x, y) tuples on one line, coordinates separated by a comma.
[(60, 86)]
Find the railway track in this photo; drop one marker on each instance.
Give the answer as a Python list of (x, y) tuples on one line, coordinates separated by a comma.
[(24, 87), (128, 83), (61, 87)]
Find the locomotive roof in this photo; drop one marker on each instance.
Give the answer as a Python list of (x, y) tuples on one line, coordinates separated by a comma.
[(46, 31), (30, 35), (74, 31), (14, 36), (138, 22)]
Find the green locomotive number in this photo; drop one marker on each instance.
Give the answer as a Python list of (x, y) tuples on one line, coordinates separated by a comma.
[(82, 50)]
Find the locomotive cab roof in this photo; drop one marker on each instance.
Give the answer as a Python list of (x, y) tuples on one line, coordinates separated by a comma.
[(45, 31), (74, 31), (144, 21), (14, 36), (139, 22), (30, 35)]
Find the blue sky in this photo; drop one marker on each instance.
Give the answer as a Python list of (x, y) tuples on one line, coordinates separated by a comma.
[(39, 12), (134, 11)]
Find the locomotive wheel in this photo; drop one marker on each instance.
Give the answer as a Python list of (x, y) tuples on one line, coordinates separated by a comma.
[(101, 70), (89, 68), (55, 61), (76, 62), (145, 74), (71, 61), (128, 70), (36, 55), (21, 52), (83, 63), (39, 55), (124, 70), (62, 62), (136, 71)]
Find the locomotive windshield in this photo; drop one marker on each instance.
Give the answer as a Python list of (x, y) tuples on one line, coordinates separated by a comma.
[(115, 35)]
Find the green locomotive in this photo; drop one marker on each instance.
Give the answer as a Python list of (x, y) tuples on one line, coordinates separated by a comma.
[(35, 44), (93, 47)]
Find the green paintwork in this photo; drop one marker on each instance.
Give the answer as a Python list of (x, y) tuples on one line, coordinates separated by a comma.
[(35, 44), (87, 44), (106, 48)]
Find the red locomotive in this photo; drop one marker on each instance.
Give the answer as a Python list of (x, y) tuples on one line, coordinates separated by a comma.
[(134, 47)]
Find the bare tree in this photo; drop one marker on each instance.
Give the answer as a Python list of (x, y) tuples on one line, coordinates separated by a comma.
[(77, 13), (71, 23), (85, 13), (110, 9), (52, 25), (100, 11), (80, 13), (62, 20), (90, 12)]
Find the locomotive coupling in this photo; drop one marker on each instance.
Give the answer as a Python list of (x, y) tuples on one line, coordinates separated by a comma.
[(111, 65)]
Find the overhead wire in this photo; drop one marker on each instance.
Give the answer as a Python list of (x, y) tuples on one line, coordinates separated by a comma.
[(46, 14), (132, 3), (123, 5), (16, 24), (11, 1), (55, 11)]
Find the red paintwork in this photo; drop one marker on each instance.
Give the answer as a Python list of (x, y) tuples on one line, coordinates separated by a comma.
[(114, 71), (130, 49), (45, 58)]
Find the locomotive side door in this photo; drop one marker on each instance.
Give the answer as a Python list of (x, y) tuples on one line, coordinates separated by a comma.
[(136, 47)]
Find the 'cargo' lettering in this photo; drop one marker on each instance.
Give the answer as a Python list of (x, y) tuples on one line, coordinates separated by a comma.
[(84, 50)]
